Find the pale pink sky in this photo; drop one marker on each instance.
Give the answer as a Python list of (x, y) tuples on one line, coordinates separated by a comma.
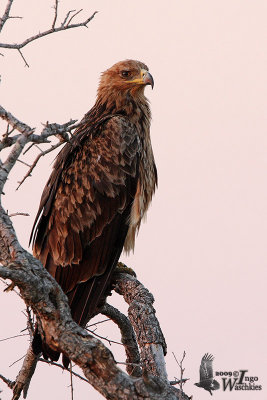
[(202, 251)]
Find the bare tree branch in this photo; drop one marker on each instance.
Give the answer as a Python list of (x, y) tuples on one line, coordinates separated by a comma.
[(30, 322), (23, 379), (98, 322), (5, 16), (23, 162), (23, 58), (67, 16), (39, 35), (43, 153), (16, 361), (181, 381), (73, 16), (18, 213), (55, 17), (64, 26), (110, 341), (52, 129), (14, 154), (13, 337), (142, 317), (62, 367), (71, 382), (40, 291), (128, 339), (14, 122), (9, 383), (48, 301), (19, 141)]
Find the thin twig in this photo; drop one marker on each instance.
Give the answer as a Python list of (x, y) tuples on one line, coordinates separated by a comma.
[(24, 59), (7, 286), (71, 382), (53, 129), (23, 162), (181, 380), (30, 322), (15, 362), (74, 15), (104, 338), (67, 16), (125, 363), (63, 368), (39, 148), (55, 146), (18, 213), (13, 337), (178, 381), (97, 323), (45, 33), (9, 383), (15, 123), (55, 17), (6, 14), (14, 17), (28, 148), (8, 132)]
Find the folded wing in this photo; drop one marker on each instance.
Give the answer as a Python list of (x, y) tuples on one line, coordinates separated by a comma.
[(84, 212)]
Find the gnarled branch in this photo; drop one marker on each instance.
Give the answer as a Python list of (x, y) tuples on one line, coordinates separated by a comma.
[(40, 291), (19, 141), (128, 339), (142, 316)]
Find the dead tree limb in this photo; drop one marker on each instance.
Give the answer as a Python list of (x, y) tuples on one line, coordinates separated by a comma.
[(41, 292), (142, 317), (65, 25), (23, 379), (133, 366)]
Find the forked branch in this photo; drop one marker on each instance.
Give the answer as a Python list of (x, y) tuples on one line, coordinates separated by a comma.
[(65, 25)]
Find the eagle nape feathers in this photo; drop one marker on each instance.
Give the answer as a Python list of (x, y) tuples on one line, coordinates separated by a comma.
[(101, 186)]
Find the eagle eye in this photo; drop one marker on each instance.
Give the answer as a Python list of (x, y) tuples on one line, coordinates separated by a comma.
[(125, 74)]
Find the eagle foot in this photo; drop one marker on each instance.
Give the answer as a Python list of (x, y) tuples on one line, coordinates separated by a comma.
[(122, 268)]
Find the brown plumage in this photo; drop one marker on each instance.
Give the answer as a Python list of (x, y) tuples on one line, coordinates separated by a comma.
[(99, 190)]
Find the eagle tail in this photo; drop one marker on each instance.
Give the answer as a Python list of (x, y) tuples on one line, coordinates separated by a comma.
[(87, 298)]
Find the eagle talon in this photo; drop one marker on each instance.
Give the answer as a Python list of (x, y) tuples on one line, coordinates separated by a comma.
[(123, 269)]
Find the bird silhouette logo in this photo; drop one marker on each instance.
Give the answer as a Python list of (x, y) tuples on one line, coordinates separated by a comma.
[(207, 380)]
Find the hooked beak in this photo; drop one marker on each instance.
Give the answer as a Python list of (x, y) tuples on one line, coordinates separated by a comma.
[(144, 79), (147, 78)]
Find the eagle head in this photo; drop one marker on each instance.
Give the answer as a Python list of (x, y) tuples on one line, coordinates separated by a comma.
[(129, 76)]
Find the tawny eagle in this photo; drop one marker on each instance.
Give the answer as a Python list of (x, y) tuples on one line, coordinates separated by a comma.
[(100, 188)]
